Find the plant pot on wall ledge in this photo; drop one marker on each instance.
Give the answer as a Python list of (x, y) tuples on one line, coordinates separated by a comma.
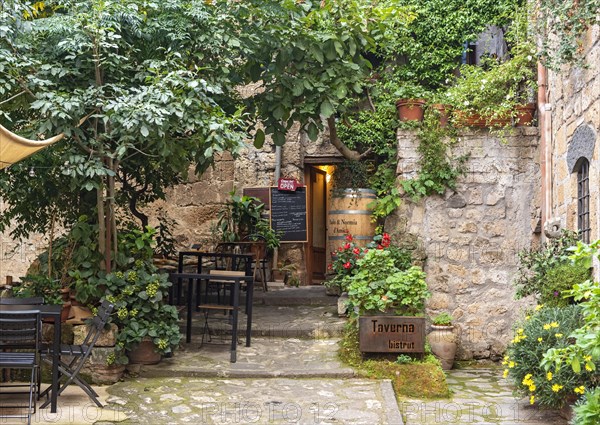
[(410, 109), (443, 112), (525, 115)]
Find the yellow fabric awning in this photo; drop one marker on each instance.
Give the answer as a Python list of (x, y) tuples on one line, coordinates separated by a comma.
[(14, 148)]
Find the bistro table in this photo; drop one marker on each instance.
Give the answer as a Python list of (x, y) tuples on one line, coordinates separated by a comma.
[(236, 281), (47, 312)]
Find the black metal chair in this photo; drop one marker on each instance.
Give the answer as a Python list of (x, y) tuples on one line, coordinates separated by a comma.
[(79, 354), (20, 330)]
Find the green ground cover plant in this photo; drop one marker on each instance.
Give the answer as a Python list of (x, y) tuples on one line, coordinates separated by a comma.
[(410, 377)]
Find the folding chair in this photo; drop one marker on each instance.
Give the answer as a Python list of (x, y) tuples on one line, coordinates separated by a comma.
[(21, 330), (79, 354)]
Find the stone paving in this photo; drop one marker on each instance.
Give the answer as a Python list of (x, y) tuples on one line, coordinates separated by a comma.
[(261, 401), (290, 375), (481, 397)]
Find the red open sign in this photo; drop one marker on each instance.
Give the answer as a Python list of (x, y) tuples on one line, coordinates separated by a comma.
[(287, 184)]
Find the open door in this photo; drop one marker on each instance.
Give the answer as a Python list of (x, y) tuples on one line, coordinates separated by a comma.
[(317, 222)]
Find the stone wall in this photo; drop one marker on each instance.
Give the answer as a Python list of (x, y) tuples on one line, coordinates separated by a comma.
[(470, 237), (574, 99)]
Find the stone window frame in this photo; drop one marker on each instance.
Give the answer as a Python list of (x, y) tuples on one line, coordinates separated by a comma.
[(582, 168)]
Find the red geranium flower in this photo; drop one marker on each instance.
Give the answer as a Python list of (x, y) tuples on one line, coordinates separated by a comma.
[(349, 237), (356, 251), (347, 265), (379, 247), (347, 246)]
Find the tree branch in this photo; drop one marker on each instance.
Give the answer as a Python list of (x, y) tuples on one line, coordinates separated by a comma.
[(339, 145)]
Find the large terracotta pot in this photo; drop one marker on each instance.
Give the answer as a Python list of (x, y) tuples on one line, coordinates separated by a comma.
[(443, 344), (144, 353), (410, 109)]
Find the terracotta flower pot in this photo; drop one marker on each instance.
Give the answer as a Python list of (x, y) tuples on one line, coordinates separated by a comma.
[(525, 115), (144, 353), (410, 109)]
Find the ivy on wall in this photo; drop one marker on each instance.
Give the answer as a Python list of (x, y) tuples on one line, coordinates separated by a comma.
[(561, 25)]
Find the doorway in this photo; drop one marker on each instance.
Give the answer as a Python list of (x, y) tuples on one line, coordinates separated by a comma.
[(316, 258)]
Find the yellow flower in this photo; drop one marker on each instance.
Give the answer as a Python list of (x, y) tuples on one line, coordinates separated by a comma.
[(554, 325), (527, 317), (588, 367), (532, 388), (579, 390), (538, 308), (532, 399), (547, 326), (520, 331), (558, 335), (540, 339), (527, 380), (511, 364), (549, 376), (505, 374), (587, 358), (556, 388)]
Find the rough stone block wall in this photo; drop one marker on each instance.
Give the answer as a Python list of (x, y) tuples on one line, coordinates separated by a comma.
[(574, 98), (469, 238)]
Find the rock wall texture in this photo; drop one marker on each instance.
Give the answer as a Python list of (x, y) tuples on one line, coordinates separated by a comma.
[(574, 99), (469, 238)]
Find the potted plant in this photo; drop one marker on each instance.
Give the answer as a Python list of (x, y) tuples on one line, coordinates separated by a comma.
[(443, 340), (139, 293), (411, 102), (241, 219), (36, 285)]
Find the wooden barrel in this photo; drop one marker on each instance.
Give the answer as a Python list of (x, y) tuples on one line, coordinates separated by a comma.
[(349, 214)]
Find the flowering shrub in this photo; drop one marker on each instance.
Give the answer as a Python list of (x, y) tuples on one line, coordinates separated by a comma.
[(545, 328), (344, 261), (582, 356), (139, 296)]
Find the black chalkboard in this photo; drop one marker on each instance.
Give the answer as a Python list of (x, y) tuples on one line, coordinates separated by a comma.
[(288, 214)]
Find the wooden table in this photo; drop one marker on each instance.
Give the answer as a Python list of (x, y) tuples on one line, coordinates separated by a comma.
[(195, 279), (47, 312)]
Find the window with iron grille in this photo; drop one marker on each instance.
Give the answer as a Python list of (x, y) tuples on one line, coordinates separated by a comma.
[(583, 200)]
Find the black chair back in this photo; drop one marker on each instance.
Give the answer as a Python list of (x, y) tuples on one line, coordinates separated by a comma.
[(22, 301), (20, 329)]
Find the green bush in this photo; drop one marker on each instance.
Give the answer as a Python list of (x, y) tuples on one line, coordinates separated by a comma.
[(535, 263), (378, 285), (587, 409), (544, 329), (560, 278)]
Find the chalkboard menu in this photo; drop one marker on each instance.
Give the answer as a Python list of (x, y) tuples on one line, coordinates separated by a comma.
[(288, 214)]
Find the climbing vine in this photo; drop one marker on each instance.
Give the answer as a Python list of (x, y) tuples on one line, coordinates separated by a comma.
[(561, 25), (438, 169)]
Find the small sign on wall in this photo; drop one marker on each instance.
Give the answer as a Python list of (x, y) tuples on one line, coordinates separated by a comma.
[(392, 334)]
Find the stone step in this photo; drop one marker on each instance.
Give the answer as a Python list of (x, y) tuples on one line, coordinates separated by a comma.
[(300, 321), (266, 358), (288, 296)]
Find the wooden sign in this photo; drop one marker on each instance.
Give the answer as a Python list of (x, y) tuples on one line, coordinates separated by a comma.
[(261, 193), (288, 214), (392, 334)]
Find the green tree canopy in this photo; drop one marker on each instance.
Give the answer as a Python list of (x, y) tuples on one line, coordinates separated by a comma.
[(142, 89)]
